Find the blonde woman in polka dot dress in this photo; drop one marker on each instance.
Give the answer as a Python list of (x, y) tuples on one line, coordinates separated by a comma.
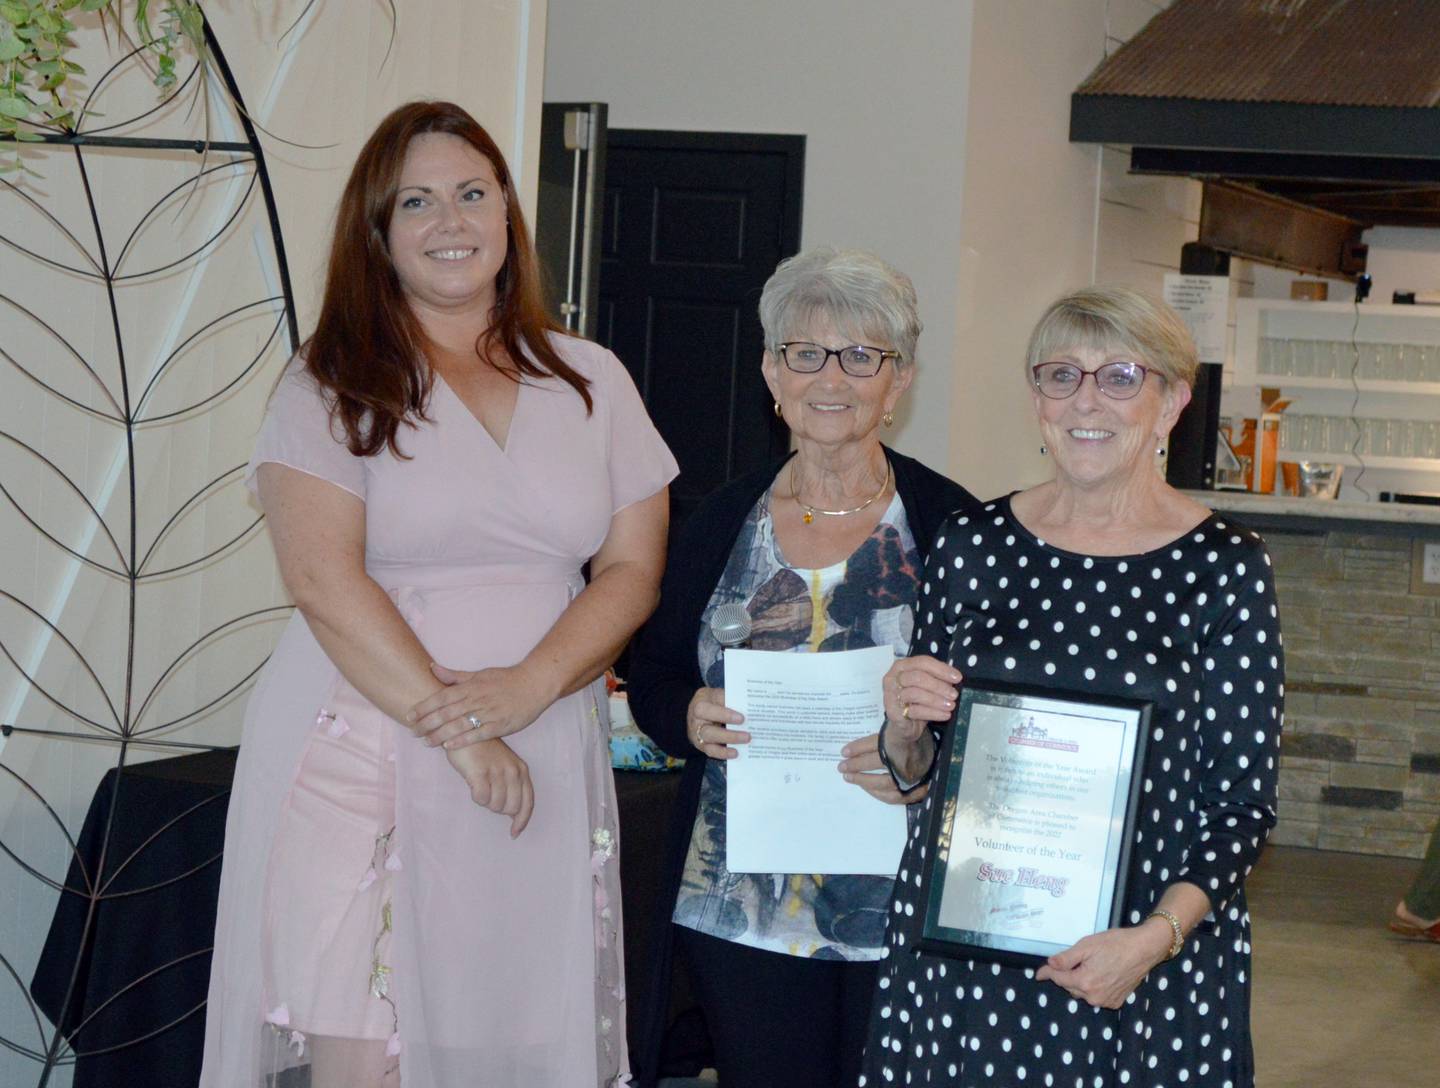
[(1102, 579)]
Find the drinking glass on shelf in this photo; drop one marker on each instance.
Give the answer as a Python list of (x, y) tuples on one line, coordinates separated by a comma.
[(1302, 358), (1369, 367), (1289, 428), (1428, 442), (1336, 435), (1414, 362), (1412, 436), (1392, 442), (1372, 437), (1430, 363), (1265, 356), (1392, 362), (1275, 356)]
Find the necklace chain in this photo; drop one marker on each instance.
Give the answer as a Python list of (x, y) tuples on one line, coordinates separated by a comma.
[(808, 512)]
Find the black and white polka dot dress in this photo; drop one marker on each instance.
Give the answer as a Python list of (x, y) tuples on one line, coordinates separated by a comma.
[(1192, 627)]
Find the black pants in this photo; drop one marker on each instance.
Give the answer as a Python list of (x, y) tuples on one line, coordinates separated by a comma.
[(779, 1021)]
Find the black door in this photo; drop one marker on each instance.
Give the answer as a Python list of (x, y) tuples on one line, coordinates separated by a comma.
[(693, 225)]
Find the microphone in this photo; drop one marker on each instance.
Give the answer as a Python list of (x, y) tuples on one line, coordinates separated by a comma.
[(730, 624)]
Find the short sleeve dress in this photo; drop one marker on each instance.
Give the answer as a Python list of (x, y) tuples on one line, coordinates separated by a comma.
[(1193, 628), (487, 960)]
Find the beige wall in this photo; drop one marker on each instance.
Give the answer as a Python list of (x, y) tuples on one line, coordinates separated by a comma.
[(946, 151), (879, 91), (1041, 216), (324, 85)]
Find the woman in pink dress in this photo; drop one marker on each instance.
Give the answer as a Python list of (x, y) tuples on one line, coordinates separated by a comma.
[(420, 884)]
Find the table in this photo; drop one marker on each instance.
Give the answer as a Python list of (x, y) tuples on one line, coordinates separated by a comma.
[(142, 966)]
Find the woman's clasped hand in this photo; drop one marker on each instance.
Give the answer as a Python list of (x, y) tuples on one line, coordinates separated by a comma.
[(483, 705)]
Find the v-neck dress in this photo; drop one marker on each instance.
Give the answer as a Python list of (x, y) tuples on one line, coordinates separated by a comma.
[(483, 960)]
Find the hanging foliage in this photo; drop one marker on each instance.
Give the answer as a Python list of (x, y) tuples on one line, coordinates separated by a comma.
[(35, 51)]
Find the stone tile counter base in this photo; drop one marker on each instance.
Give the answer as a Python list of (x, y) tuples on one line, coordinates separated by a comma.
[(1360, 759)]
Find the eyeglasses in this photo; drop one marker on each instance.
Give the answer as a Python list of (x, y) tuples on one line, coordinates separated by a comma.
[(1060, 381), (857, 360)]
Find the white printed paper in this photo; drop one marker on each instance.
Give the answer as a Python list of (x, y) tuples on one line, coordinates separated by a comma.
[(787, 807), (1204, 304)]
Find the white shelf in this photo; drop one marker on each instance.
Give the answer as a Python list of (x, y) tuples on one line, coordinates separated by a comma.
[(1375, 461), (1346, 309), (1364, 398), (1401, 518), (1343, 385)]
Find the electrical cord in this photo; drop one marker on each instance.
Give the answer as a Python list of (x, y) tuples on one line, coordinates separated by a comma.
[(1355, 401)]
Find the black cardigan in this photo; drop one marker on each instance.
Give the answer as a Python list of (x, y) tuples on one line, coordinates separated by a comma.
[(665, 673)]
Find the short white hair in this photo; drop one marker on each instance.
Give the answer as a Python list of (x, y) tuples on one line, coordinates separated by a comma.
[(856, 290)]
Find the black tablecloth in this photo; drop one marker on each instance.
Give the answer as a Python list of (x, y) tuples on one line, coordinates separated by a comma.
[(141, 968), (142, 964)]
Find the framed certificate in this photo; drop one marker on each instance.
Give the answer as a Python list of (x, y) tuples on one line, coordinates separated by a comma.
[(1031, 822)]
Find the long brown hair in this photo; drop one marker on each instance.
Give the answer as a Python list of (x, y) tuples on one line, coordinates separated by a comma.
[(368, 349)]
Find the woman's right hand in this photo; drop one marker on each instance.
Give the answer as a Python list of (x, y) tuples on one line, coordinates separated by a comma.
[(918, 690), (706, 723), (498, 779)]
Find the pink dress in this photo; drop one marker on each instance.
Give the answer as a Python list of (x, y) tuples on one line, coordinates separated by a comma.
[(481, 960)]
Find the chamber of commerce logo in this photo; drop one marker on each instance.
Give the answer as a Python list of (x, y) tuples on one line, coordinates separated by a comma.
[(1030, 735)]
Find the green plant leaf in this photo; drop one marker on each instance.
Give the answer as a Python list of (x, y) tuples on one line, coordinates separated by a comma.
[(93, 5), (16, 107), (12, 47), (29, 137)]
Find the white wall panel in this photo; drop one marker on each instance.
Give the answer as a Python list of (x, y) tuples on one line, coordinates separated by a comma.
[(324, 86)]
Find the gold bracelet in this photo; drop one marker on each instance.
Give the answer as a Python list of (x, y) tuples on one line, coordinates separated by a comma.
[(1177, 944)]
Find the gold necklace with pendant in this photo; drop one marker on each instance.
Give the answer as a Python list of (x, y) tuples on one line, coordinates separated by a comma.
[(808, 512)]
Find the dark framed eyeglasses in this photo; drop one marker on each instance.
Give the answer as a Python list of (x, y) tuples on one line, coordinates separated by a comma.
[(858, 360), (1060, 381)]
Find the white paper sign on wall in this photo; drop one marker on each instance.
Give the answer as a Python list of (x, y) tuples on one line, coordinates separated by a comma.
[(1204, 303)]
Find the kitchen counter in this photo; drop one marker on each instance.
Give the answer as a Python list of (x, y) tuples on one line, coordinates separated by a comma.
[(1281, 513)]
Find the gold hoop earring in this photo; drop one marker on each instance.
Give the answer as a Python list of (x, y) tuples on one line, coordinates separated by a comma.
[(888, 419), (778, 414)]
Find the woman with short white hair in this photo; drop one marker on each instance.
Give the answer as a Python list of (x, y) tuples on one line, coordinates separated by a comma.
[(824, 550)]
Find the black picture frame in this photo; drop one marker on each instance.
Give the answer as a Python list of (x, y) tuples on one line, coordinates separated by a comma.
[(947, 929)]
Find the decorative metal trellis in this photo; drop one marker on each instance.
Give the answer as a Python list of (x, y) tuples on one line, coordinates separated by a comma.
[(123, 712)]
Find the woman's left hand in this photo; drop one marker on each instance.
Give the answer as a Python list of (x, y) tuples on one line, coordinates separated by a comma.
[(862, 761), (503, 701), (1104, 968)]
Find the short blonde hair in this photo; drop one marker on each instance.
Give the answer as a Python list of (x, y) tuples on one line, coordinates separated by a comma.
[(1108, 317)]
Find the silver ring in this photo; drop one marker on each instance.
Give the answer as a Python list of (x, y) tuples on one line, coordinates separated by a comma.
[(474, 720), (699, 735)]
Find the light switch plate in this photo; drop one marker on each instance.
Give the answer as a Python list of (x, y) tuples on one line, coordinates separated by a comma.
[(1425, 568)]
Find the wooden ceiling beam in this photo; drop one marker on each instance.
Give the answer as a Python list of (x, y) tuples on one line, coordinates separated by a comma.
[(1247, 222)]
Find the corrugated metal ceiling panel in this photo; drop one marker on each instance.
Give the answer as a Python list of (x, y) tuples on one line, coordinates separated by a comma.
[(1320, 52)]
